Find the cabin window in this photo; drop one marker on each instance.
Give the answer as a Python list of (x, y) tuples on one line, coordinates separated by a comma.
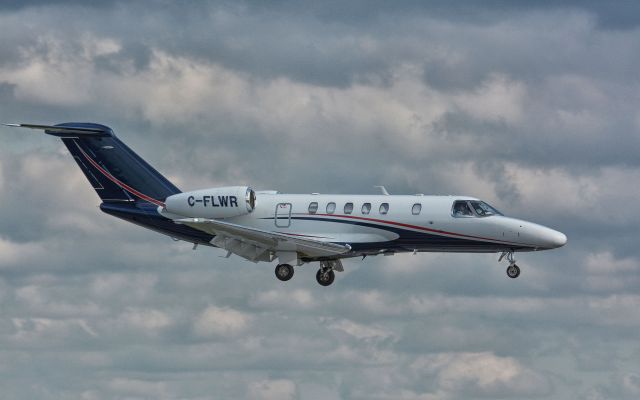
[(461, 209), (313, 207), (415, 210), (483, 209), (331, 208), (384, 208), (366, 208), (348, 208)]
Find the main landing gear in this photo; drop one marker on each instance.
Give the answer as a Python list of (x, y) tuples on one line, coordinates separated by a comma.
[(325, 275), (284, 272), (513, 271)]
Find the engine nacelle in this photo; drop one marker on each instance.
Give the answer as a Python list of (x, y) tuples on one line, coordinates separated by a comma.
[(223, 202)]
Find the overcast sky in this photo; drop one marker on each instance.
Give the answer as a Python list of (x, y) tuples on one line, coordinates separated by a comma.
[(529, 105)]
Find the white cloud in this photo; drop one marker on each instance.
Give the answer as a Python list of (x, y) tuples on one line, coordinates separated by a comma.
[(19, 253), (593, 196), (497, 99), (276, 389), (297, 299), (112, 286), (39, 300), (485, 375), (148, 320), (138, 387), (360, 331), (220, 321), (43, 332)]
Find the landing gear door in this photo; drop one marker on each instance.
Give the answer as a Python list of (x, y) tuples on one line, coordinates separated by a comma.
[(283, 215)]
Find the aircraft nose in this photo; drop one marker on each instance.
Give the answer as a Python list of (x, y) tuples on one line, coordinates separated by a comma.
[(555, 239)]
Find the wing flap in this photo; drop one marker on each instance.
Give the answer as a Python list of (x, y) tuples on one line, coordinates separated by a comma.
[(263, 239)]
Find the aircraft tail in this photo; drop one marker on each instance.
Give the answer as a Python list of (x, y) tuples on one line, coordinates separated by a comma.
[(116, 172)]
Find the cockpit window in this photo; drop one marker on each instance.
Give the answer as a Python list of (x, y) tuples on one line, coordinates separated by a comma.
[(461, 209), (482, 209)]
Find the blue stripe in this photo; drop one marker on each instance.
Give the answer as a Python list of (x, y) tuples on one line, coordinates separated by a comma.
[(409, 240)]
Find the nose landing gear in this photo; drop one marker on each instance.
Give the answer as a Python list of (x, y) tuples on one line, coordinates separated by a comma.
[(513, 271)]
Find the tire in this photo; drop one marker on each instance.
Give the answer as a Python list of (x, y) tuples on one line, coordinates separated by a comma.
[(325, 279), (513, 271), (284, 272)]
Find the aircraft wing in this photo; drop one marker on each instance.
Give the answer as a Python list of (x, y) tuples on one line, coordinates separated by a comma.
[(257, 245)]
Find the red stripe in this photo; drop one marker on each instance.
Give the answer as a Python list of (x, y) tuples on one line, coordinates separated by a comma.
[(297, 234), (413, 227), (117, 182)]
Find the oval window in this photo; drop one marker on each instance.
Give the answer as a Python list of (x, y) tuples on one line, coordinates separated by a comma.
[(415, 210), (313, 207), (348, 208), (384, 208), (366, 208), (331, 208)]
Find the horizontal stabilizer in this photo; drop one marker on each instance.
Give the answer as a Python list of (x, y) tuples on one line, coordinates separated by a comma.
[(65, 130)]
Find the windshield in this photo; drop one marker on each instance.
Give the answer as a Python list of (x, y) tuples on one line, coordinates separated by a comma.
[(483, 209), (461, 209)]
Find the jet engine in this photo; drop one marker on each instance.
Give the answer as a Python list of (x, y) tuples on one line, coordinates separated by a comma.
[(223, 202)]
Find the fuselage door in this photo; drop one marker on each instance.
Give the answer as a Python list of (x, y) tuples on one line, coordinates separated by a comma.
[(283, 215)]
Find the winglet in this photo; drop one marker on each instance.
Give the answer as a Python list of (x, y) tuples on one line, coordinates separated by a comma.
[(383, 190)]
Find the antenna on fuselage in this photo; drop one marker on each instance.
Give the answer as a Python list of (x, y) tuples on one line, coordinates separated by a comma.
[(383, 190)]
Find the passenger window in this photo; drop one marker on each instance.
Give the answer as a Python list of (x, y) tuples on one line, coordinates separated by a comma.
[(331, 208), (461, 209), (348, 208), (313, 207), (366, 208), (415, 210), (384, 208)]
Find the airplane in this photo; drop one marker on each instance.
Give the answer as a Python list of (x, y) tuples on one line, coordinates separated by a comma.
[(295, 229)]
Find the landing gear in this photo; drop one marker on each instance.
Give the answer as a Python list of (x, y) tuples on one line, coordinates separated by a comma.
[(284, 272), (513, 271), (325, 276)]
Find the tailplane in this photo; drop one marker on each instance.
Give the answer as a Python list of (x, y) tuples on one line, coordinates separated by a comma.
[(116, 172)]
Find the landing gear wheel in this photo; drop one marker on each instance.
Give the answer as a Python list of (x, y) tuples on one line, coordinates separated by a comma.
[(284, 272), (513, 271), (325, 277)]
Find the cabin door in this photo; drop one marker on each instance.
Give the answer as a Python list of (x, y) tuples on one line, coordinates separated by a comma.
[(283, 215)]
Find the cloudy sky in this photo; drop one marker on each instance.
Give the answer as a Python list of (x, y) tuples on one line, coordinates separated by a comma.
[(529, 105)]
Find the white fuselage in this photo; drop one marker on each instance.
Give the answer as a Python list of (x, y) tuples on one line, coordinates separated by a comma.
[(403, 228)]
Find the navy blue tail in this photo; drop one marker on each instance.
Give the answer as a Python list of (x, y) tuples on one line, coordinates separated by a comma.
[(115, 171)]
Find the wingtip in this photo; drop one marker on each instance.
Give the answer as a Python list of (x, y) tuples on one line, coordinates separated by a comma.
[(12, 125)]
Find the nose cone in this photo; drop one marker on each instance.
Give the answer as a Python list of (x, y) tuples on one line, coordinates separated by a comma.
[(554, 239)]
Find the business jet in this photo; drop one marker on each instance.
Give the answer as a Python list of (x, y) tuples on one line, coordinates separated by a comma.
[(295, 229)]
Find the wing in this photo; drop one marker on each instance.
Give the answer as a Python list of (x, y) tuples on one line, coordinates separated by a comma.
[(258, 245)]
